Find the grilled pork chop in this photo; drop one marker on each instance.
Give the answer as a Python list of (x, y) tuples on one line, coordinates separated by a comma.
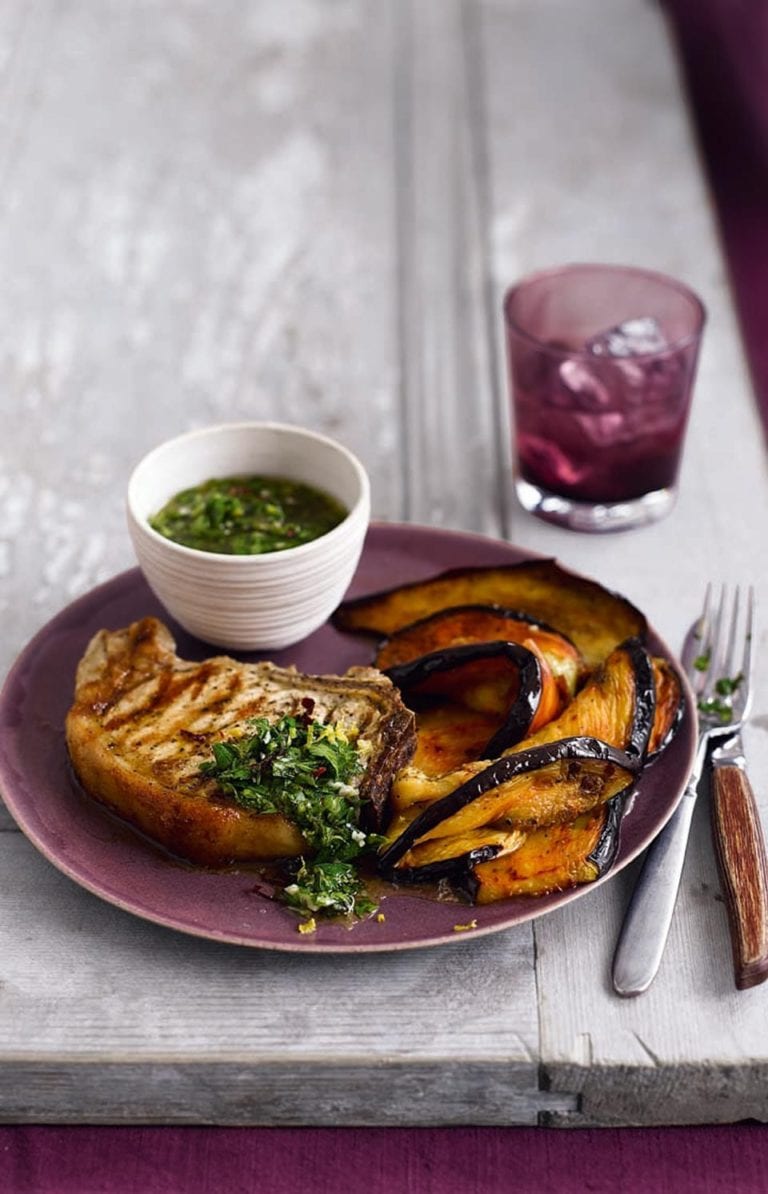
[(143, 721)]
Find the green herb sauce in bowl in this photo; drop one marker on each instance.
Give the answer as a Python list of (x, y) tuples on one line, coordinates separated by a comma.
[(263, 536), (248, 515)]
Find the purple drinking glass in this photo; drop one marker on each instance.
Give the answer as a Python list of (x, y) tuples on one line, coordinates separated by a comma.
[(601, 363)]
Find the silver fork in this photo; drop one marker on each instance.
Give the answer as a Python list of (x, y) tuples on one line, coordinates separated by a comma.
[(718, 661)]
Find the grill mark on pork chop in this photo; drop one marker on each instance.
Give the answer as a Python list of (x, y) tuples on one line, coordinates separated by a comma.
[(143, 722), (158, 694)]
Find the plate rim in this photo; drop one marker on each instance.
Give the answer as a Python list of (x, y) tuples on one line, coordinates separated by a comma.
[(538, 906)]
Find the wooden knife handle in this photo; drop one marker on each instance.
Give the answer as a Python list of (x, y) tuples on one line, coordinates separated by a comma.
[(743, 871)]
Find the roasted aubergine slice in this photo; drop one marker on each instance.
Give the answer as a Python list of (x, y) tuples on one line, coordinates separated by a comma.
[(454, 857), (545, 785), (550, 859), (465, 624), (669, 706), (509, 683), (595, 619), (616, 706)]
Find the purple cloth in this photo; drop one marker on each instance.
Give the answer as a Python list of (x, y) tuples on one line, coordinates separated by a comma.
[(723, 48), (719, 1160)]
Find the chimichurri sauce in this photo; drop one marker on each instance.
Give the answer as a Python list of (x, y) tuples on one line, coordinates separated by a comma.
[(248, 515)]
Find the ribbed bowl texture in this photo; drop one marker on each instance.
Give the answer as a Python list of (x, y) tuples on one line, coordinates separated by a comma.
[(256, 602)]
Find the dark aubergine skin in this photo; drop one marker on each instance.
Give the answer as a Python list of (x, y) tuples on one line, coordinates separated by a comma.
[(604, 853), (499, 772), (340, 618), (499, 611), (455, 869), (645, 699), (407, 676)]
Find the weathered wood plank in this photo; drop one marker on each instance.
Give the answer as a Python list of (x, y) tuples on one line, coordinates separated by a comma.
[(234, 1001), (372, 1094), (195, 248), (105, 1015), (691, 1050), (215, 237), (449, 401), (607, 170)]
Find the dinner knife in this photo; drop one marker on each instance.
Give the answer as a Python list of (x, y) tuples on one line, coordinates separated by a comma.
[(648, 918)]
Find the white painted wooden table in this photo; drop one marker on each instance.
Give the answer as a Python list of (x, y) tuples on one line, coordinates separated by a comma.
[(309, 209)]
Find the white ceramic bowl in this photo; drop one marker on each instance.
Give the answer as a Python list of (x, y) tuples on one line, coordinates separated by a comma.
[(254, 602)]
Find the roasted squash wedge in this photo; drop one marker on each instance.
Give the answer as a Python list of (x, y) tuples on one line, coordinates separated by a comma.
[(551, 859), (595, 619), (545, 785), (616, 706), (504, 680), (669, 706), (484, 624), (449, 736), (454, 857)]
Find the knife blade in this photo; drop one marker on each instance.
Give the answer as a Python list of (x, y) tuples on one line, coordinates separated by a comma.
[(648, 918)]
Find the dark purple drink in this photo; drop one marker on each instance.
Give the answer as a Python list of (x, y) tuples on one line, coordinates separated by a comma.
[(602, 430), (600, 403)]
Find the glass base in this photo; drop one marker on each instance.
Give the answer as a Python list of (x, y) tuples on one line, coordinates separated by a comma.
[(594, 516)]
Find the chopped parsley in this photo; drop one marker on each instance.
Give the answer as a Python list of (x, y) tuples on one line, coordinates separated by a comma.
[(715, 707), (720, 706), (303, 769), (701, 662), (327, 887), (726, 686)]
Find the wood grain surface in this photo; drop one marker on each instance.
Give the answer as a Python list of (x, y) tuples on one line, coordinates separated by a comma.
[(740, 850), (309, 210)]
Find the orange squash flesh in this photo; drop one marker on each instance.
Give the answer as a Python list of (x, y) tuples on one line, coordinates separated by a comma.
[(483, 624), (550, 859), (595, 619), (669, 705), (606, 708), (555, 792), (594, 685)]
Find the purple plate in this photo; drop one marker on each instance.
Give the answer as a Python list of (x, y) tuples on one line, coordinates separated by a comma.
[(109, 859)]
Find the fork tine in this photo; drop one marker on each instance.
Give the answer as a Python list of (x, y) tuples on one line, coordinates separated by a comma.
[(731, 666), (698, 673), (746, 659), (716, 646), (729, 655)]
